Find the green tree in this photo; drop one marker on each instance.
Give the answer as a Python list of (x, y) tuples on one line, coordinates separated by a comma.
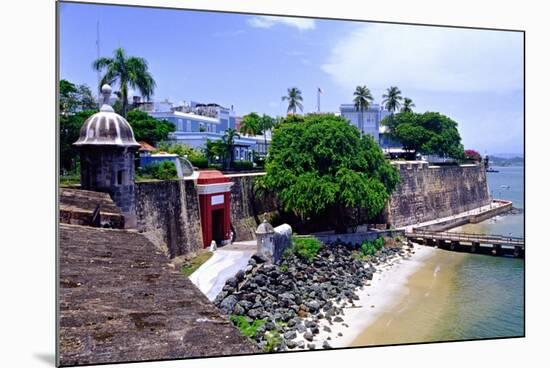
[(68, 96), (215, 150), (69, 131), (130, 72), (407, 105), (391, 99), (362, 100), (294, 98), (266, 123), (428, 133), (86, 98), (323, 166), (229, 141), (250, 124), (148, 129)]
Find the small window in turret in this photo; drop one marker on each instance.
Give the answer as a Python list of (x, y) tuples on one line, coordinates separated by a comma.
[(120, 177)]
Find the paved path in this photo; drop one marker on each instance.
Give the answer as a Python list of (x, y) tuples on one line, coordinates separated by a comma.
[(475, 211), (211, 276)]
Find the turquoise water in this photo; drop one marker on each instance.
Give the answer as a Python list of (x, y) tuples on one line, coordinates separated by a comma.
[(488, 292)]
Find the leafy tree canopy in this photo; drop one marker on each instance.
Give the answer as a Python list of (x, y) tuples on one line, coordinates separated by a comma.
[(74, 97), (428, 133), (323, 164), (69, 131), (148, 129)]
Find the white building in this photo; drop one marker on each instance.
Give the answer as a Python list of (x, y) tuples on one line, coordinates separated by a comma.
[(368, 122)]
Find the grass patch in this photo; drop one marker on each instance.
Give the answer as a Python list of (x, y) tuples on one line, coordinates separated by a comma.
[(247, 329), (69, 179), (305, 247), (369, 248), (191, 266)]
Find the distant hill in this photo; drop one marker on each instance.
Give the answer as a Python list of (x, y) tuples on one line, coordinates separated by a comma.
[(508, 161)]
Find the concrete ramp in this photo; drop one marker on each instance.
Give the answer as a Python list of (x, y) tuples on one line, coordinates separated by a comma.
[(211, 276)]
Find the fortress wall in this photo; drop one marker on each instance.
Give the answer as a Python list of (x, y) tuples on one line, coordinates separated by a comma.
[(429, 192)]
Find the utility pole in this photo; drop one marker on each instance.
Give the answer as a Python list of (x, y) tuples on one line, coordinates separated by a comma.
[(319, 91), (98, 74)]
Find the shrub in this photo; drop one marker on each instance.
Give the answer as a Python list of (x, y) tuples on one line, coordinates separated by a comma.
[(163, 170), (369, 248), (272, 341), (200, 162), (247, 329), (242, 165), (306, 247)]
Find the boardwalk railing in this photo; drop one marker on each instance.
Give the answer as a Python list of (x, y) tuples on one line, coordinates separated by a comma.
[(465, 237)]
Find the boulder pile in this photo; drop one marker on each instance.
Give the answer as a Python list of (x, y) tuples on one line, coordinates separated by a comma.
[(294, 297)]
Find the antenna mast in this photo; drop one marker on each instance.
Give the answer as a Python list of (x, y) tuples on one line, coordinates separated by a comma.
[(98, 74)]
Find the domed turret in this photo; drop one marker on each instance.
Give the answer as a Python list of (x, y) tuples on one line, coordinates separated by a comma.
[(106, 127), (107, 151)]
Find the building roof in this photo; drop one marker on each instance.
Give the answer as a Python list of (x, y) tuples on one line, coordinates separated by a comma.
[(106, 127), (146, 147), (211, 177)]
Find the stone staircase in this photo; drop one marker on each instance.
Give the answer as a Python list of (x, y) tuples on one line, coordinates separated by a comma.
[(88, 208), (121, 300)]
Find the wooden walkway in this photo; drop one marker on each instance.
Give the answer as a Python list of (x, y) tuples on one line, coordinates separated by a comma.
[(475, 243)]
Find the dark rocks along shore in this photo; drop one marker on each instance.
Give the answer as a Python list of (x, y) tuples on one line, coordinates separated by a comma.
[(296, 296)]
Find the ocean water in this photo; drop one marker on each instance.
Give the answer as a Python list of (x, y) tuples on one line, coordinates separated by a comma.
[(487, 294), (463, 296)]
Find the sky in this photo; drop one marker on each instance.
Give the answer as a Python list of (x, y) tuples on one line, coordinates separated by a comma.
[(473, 76)]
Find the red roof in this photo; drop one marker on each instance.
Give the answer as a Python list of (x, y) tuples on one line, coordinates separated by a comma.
[(146, 146), (211, 177)]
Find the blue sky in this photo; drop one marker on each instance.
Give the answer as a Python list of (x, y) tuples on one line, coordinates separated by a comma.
[(473, 76)]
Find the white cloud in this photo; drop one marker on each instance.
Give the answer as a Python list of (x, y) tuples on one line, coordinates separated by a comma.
[(428, 58), (267, 22)]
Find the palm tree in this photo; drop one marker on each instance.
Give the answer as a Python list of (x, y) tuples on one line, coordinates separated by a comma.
[(266, 123), (229, 140), (391, 99), (407, 105), (250, 125), (295, 99), (130, 72), (362, 100)]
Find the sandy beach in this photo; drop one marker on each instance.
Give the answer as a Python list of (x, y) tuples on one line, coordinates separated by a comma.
[(383, 293)]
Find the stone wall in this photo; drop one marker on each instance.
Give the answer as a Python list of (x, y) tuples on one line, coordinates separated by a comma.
[(429, 192), (168, 213), (121, 300), (246, 211)]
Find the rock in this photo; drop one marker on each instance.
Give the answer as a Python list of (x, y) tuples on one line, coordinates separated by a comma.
[(232, 281), (340, 334), (313, 306), (338, 319), (310, 324), (238, 310), (228, 303), (255, 313), (291, 344), (311, 346), (326, 345), (301, 328), (308, 336), (252, 262), (259, 258), (290, 335), (301, 344), (327, 329), (240, 275)]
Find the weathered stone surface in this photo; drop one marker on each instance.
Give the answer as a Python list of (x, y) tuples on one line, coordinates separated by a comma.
[(169, 212), (428, 192), (246, 208), (120, 300), (76, 206)]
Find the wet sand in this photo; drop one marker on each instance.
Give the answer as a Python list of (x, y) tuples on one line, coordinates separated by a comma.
[(421, 306)]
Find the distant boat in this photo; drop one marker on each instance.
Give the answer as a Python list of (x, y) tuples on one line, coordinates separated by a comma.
[(491, 170), (504, 187)]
